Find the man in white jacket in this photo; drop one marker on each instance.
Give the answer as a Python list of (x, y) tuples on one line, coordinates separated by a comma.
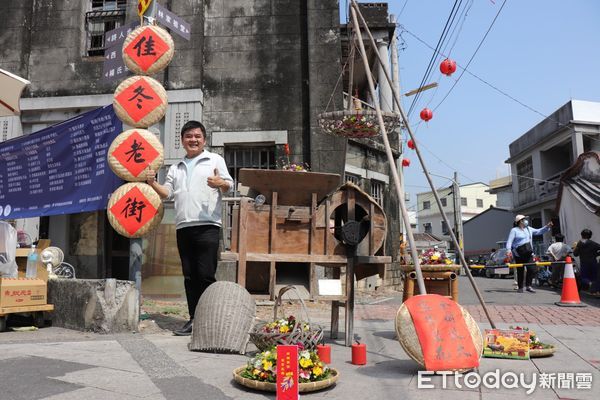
[(196, 185)]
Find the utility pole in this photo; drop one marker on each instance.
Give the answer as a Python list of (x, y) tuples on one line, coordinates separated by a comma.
[(457, 212)]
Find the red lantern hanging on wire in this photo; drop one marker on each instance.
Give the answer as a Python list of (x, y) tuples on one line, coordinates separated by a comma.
[(410, 144), (405, 162), (448, 67), (426, 114)]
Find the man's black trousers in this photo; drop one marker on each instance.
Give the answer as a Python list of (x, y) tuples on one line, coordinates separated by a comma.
[(198, 249)]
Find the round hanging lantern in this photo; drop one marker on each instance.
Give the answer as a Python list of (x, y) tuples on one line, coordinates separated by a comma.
[(410, 144), (148, 49), (405, 162), (426, 114), (134, 209), (140, 101), (448, 67), (134, 152)]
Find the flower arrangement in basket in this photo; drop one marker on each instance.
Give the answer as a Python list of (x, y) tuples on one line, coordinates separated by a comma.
[(263, 367), (285, 164), (534, 340), (286, 331), (355, 124), (434, 257)]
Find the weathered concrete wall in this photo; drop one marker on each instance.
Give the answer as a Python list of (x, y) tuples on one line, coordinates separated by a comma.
[(327, 153), (98, 305), (45, 42), (252, 67)]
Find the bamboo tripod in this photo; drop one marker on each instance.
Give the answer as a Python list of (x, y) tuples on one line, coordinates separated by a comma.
[(356, 11)]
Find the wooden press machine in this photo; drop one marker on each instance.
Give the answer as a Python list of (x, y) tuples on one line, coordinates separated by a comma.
[(307, 218)]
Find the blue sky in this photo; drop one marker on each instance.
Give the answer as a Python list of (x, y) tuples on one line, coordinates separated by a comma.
[(542, 53)]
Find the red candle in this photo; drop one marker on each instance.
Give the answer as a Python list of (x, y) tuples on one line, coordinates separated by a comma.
[(359, 354), (324, 353)]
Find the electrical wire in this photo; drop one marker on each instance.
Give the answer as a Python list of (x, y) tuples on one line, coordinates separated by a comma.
[(434, 55), (473, 56)]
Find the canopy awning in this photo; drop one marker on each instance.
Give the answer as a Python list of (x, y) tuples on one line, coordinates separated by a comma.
[(11, 88)]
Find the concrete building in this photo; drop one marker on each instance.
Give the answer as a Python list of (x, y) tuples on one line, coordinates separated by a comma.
[(540, 156), (502, 188), (485, 231), (474, 199), (256, 72)]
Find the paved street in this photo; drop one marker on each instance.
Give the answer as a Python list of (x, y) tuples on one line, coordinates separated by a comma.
[(59, 364)]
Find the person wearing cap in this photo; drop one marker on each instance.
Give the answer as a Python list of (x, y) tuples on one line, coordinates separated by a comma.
[(520, 243)]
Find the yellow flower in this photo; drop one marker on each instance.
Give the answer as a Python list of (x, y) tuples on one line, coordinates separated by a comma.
[(317, 371), (305, 362), (267, 365), (255, 372), (284, 329), (434, 258)]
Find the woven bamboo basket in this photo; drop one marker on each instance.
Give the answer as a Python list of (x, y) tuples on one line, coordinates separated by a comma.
[(272, 387), (309, 338), (152, 117), (535, 353), (356, 123), (407, 335), (161, 62), (125, 173), (223, 318), (150, 195)]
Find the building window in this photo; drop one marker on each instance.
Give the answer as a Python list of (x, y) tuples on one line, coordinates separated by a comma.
[(445, 230), (105, 16), (463, 201), (444, 202), (427, 227), (426, 205), (377, 191), (479, 203), (525, 174), (352, 178), (237, 157)]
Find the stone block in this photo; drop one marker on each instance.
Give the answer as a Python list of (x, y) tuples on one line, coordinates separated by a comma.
[(98, 305)]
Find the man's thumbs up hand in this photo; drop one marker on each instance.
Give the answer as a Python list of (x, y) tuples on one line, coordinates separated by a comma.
[(215, 181)]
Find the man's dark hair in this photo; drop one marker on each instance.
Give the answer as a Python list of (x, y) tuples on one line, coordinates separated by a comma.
[(193, 125), (559, 238), (586, 234)]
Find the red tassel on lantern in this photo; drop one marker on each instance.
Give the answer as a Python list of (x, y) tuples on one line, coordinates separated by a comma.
[(405, 162), (426, 114), (410, 144), (448, 67), (286, 149)]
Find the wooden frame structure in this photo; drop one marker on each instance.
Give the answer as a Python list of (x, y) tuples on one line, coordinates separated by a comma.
[(301, 224)]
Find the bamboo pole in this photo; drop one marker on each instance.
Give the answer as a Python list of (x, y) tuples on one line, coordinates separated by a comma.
[(355, 9), (388, 151)]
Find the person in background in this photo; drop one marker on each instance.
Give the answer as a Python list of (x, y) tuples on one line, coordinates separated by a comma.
[(196, 184), (520, 243), (558, 251), (587, 250)]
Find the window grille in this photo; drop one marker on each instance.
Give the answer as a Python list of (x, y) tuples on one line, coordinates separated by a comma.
[(525, 174), (377, 191), (463, 201), (444, 201), (105, 16), (237, 157), (352, 178), (480, 203), (426, 205)]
